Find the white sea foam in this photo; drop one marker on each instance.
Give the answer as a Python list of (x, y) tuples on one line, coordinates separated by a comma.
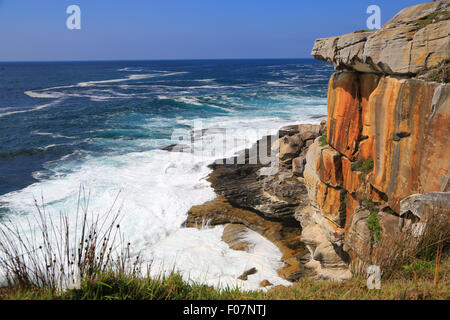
[(36, 108), (195, 101), (128, 78), (277, 84), (53, 135), (157, 190), (130, 69), (52, 93)]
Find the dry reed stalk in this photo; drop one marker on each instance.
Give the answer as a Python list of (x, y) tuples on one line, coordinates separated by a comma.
[(51, 253)]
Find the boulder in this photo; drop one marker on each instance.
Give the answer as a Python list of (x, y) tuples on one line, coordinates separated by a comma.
[(290, 147), (298, 165), (426, 205), (265, 283)]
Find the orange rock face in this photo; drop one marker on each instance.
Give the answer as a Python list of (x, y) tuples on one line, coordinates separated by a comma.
[(353, 181), (349, 114), (331, 202), (435, 160), (351, 204), (344, 115), (400, 111), (368, 83), (389, 122), (329, 167)]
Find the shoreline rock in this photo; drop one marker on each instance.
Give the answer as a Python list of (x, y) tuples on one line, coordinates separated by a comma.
[(263, 198)]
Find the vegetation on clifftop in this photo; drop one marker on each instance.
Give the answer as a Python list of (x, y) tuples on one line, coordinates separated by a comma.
[(437, 16)]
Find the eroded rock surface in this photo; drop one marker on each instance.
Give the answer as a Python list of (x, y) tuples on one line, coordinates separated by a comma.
[(416, 38), (386, 155)]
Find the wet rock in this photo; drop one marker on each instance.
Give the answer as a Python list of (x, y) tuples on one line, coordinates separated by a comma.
[(275, 194), (177, 148), (234, 236), (286, 235), (247, 273), (265, 283)]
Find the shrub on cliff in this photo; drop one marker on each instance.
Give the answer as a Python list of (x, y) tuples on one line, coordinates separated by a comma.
[(374, 225), (323, 141), (364, 166)]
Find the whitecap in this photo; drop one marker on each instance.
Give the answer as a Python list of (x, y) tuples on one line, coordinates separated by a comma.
[(44, 106)]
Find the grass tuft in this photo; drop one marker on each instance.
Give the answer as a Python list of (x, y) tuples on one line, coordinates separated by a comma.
[(374, 226), (364, 166), (323, 141)]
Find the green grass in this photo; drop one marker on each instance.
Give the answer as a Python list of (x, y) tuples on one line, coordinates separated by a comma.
[(323, 141), (111, 286), (374, 226), (434, 17)]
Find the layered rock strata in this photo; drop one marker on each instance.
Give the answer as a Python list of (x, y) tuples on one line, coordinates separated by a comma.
[(386, 152), (262, 198)]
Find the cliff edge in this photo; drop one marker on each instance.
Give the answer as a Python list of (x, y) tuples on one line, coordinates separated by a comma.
[(384, 163), (416, 39)]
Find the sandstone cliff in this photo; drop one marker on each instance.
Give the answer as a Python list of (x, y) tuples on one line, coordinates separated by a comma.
[(378, 167), (415, 39), (388, 132)]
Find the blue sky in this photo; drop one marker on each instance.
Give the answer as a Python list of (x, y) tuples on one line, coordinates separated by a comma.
[(178, 29)]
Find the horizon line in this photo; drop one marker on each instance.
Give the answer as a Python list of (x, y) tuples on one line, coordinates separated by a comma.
[(137, 60)]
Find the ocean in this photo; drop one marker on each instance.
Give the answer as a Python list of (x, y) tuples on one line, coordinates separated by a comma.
[(103, 126)]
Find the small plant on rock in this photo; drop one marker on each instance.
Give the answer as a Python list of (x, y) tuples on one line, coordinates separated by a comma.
[(323, 141), (374, 225), (364, 166)]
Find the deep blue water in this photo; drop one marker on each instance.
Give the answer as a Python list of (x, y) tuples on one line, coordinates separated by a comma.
[(66, 110)]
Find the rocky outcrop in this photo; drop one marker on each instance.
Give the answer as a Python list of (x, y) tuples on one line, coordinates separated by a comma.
[(417, 38), (379, 166), (385, 156), (286, 236), (262, 198)]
